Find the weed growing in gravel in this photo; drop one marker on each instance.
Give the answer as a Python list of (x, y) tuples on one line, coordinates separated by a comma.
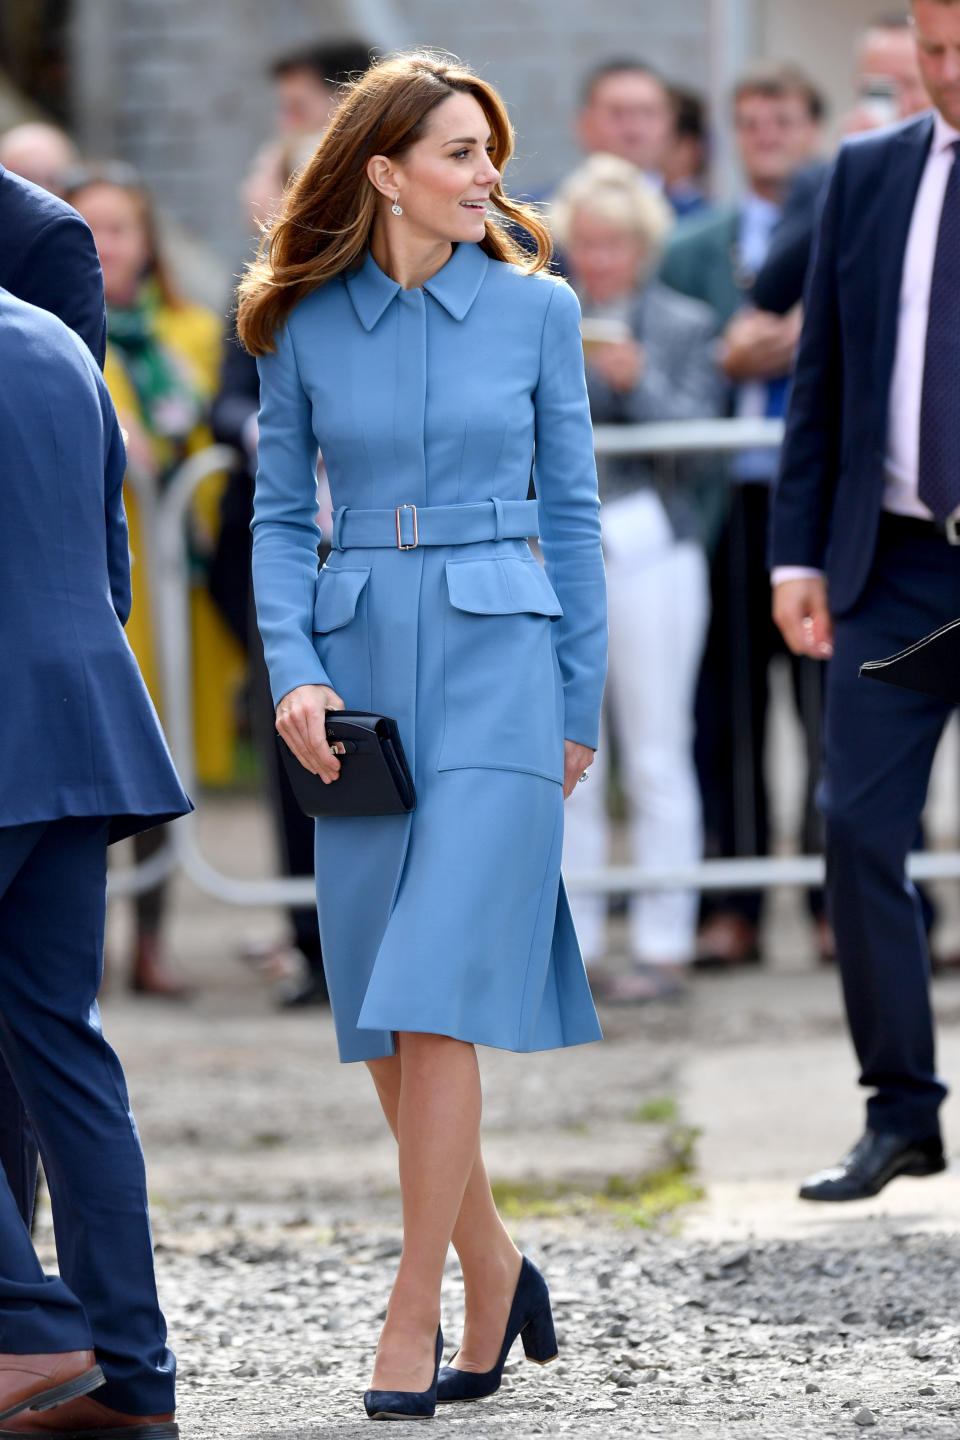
[(643, 1199), (662, 1111)]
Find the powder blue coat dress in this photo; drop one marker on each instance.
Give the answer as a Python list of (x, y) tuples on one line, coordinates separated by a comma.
[(452, 920)]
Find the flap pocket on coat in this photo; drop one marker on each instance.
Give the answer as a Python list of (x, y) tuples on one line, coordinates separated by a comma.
[(336, 599), (501, 585)]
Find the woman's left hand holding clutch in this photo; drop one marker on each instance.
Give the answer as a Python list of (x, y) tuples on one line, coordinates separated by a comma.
[(302, 722), (577, 760)]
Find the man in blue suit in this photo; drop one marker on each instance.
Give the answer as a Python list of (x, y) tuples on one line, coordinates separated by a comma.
[(866, 559), (82, 762), (47, 256)]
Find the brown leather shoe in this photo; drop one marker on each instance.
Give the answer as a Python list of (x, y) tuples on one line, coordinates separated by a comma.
[(950, 962), (38, 1382), (825, 941), (152, 974), (726, 939), (89, 1420)]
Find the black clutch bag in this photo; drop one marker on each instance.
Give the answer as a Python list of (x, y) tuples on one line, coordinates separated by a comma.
[(930, 665), (374, 776)]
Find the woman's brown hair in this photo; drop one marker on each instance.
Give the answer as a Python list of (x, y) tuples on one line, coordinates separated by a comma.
[(323, 225)]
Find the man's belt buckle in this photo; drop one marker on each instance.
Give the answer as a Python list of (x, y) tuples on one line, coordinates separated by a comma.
[(951, 529), (416, 533)]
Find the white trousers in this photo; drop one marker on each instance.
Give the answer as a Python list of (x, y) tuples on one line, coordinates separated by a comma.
[(658, 602)]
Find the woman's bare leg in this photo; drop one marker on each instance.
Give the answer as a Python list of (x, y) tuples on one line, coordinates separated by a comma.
[(488, 1257), (437, 1127)]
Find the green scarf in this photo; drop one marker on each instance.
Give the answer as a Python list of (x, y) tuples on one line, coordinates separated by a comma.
[(170, 405)]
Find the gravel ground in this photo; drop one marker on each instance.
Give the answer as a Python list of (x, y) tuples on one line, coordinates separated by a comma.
[(273, 1187), (275, 1332)]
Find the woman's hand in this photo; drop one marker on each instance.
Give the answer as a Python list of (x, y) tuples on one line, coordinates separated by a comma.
[(302, 722), (577, 759), (621, 363)]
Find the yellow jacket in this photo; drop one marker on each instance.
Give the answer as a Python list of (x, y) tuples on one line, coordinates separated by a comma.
[(194, 335)]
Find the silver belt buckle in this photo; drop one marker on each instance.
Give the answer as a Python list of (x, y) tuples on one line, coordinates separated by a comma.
[(416, 533), (951, 529)]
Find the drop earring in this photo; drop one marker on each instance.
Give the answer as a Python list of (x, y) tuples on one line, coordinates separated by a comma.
[(396, 207)]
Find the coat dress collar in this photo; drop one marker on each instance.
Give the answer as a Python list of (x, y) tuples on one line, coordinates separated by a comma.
[(455, 285)]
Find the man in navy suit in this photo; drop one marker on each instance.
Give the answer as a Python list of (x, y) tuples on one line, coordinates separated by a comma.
[(82, 762), (866, 559), (47, 256), (886, 50)]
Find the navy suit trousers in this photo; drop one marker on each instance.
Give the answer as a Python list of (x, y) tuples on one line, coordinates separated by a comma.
[(18, 1146), (879, 744), (52, 906)]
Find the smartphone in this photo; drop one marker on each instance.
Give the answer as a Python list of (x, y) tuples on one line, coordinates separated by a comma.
[(597, 332)]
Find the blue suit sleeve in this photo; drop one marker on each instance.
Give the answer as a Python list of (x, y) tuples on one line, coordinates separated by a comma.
[(118, 542), (285, 534), (803, 496), (63, 276), (565, 479)]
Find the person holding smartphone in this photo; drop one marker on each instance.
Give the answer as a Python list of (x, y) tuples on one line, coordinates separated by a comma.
[(649, 356)]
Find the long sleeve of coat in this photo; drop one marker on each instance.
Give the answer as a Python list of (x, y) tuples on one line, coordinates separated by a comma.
[(285, 534), (803, 495), (565, 479)]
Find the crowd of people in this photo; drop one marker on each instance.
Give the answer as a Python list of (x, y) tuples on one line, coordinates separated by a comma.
[(692, 309)]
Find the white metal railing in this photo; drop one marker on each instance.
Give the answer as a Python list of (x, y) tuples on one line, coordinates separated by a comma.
[(170, 589), (688, 437)]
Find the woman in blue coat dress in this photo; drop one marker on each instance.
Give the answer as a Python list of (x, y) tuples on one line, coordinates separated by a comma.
[(402, 331)]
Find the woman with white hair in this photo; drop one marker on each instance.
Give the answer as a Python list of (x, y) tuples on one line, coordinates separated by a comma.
[(649, 354)]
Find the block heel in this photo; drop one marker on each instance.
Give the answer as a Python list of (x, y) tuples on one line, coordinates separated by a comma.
[(531, 1319), (539, 1337)]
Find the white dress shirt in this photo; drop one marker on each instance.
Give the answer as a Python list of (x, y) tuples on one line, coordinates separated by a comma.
[(900, 493)]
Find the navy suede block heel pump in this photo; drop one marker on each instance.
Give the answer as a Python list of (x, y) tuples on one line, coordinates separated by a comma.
[(405, 1404), (531, 1318)]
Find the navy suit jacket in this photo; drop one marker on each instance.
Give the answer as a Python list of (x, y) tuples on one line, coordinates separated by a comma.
[(829, 494), (47, 256), (780, 279), (78, 732)]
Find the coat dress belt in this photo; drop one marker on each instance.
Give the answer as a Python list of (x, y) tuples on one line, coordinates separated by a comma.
[(408, 526)]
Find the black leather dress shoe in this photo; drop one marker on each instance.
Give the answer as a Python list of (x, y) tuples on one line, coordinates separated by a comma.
[(876, 1159)]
